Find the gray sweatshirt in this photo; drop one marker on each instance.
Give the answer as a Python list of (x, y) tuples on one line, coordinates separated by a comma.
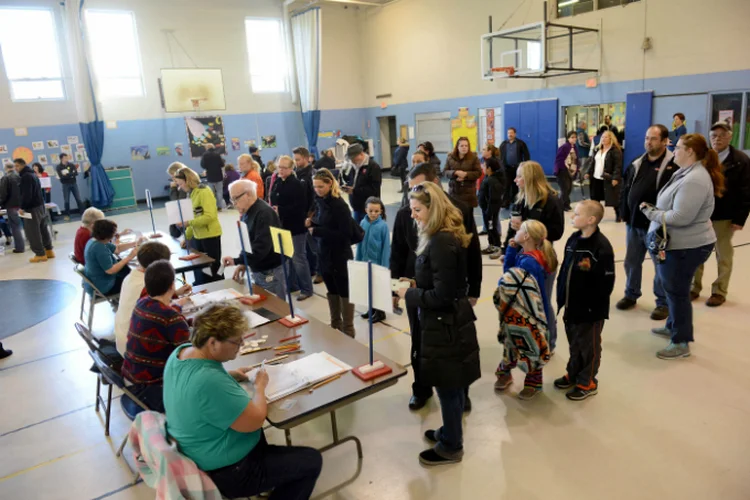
[(686, 203)]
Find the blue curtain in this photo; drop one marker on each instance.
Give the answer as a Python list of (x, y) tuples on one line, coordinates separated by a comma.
[(311, 121), (102, 192)]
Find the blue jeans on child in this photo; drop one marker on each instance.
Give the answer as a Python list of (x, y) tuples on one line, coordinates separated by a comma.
[(676, 273), (451, 435)]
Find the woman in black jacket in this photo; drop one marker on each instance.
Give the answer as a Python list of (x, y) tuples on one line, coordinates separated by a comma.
[(448, 357), (332, 228), (538, 201), (432, 158)]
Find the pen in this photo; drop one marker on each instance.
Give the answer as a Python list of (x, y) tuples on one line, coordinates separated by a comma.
[(321, 384)]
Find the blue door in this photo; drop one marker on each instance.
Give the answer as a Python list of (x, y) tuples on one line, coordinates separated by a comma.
[(536, 124), (638, 107)]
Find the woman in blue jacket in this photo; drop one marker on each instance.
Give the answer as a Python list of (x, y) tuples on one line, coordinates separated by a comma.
[(376, 245)]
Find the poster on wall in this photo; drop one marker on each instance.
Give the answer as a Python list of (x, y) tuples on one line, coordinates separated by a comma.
[(3, 149), (249, 144), (465, 125), (53, 144), (81, 148), (42, 159), (36, 146), (268, 141), (139, 153), (21, 131), (73, 139), (54, 158), (202, 130), (178, 149), (79, 156), (163, 150), (65, 148), (25, 153), (7, 161), (490, 133), (235, 143), (727, 116)]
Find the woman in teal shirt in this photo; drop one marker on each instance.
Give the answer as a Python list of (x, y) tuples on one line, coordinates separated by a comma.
[(218, 425), (103, 268)]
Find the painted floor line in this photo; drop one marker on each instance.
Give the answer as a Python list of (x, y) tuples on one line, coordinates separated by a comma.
[(45, 420), (118, 490), (40, 359)]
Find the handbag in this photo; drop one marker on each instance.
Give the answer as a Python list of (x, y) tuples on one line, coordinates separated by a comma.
[(358, 234), (658, 240)]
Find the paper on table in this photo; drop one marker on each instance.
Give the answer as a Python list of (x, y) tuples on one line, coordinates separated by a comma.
[(286, 240), (381, 285), (255, 319), (288, 378), (45, 182), (173, 211), (202, 299)]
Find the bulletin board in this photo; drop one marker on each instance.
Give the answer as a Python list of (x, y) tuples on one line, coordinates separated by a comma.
[(465, 125)]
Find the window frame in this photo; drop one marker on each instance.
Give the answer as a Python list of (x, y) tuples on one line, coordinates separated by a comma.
[(97, 78), (741, 144), (285, 53), (595, 8), (56, 38)]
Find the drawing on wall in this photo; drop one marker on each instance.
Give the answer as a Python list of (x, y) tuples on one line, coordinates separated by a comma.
[(7, 161), (21, 132), (65, 148), (73, 139), (79, 156), (139, 153), (3, 149), (163, 151), (50, 171), (268, 141), (178, 149), (727, 116), (250, 143), (42, 159), (202, 130), (464, 125), (81, 147), (53, 144), (25, 153), (235, 143), (37, 145), (54, 158)]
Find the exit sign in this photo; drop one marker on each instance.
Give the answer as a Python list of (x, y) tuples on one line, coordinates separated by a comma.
[(591, 83)]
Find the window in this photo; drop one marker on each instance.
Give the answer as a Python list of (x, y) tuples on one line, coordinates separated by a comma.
[(727, 108), (113, 42), (436, 128), (567, 8), (30, 53), (266, 51)]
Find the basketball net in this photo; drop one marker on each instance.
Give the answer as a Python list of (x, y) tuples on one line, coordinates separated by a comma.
[(196, 102)]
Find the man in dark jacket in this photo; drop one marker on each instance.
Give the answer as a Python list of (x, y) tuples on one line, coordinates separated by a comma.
[(289, 199), (68, 175), (305, 172), (730, 212), (513, 152), (213, 164), (366, 179), (491, 194), (10, 200), (644, 178), (256, 157), (265, 264), (401, 161), (32, 202), (403, 258)]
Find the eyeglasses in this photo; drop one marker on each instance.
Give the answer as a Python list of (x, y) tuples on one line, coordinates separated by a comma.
[(238, 343), (235, 199)]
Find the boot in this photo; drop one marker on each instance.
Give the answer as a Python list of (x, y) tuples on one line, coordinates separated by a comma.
[(334, 306), (348, 313), (50, 254)]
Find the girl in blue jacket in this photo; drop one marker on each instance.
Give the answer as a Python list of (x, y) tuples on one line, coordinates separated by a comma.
[(376, 245)]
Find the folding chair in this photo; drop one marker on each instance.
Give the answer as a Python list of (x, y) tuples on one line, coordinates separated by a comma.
[(95, 296)]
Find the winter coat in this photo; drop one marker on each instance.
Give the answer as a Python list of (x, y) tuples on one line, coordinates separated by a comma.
[(492, 192), (10, 190), (735, 204), (612, 172), (435, 162), (205, 223), (449, 350), (401, 158), (550, 214), (213, 164), (290, 199), (523, 153), (31, 190), (230, 177), (305, 175), (376, 245), (366, 183), (464, 190), (259, 219), (332, 228), (66, 173), (560, 157)]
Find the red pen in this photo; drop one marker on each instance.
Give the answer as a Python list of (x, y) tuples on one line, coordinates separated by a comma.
[(290, 338)]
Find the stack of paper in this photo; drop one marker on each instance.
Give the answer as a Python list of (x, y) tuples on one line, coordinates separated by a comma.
[(288, 378), (203, 299)]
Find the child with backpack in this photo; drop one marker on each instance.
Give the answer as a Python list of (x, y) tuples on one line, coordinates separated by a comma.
[(376, 244)]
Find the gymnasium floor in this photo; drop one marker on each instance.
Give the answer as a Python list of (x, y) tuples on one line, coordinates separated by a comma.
[(657, 430)]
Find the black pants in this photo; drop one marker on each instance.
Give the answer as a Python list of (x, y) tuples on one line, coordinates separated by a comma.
[(596, 187), (38, 231), (511, 190), (212, 248), (585, 341), (419, 388), (565, 181), (492, 226), (336, 278), (290, 471)]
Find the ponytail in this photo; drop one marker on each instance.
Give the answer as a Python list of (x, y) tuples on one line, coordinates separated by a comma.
[(713, 165), (549, 255), (538, 233)]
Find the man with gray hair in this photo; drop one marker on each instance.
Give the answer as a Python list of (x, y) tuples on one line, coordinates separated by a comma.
[(10, 200), (258, 216)]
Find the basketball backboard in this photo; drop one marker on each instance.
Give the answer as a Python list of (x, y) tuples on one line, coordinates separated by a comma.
[(514, 52)]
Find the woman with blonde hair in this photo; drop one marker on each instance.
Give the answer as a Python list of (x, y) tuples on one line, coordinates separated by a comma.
[(607, 175), (448, 353), (204, 230), (537, 200), (218, 425), (332, 226), (531, 257)]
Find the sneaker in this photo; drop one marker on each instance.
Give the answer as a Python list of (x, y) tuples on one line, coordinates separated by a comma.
[(663, 331), (50, 254), (317, 279), (579, 394), (674, 351), (489, 250), (19, 251), (528, 393), (715, 300), (38, 258), (625, 303), (660, 313), (430, 457), (563, 382), (4, 353), (503, 382), (495, 255), (303, 296), (694, 296), (429, 435), (378, 316)]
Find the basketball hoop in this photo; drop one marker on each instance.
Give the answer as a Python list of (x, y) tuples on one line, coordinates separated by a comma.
[(508, 70)]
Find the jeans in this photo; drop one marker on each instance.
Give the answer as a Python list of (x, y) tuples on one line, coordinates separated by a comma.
[(271, 280), (358, 216), (676, 273), (291, 471), (37, 231), (549, 286), (634, 255), (451, 435), (5, 228), (299, 267), (67, 190), (218, 189), (312, 253)]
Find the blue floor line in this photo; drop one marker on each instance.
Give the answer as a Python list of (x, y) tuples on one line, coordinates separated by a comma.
[(46, 420)]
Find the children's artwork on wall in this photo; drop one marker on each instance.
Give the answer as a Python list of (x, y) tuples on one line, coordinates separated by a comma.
[(268, 141), (178, 149), (25, 153), (250, 143), (163, 151), (73, 139), (21, 131), (139, 153), (235, 144), (3, 149), (7, 161), (53, 144), (81, 147), (65, 148), (202, 130), (79, 156), (50, 169), (42, 159), (465, 125), (36, 146), (54, 158)]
